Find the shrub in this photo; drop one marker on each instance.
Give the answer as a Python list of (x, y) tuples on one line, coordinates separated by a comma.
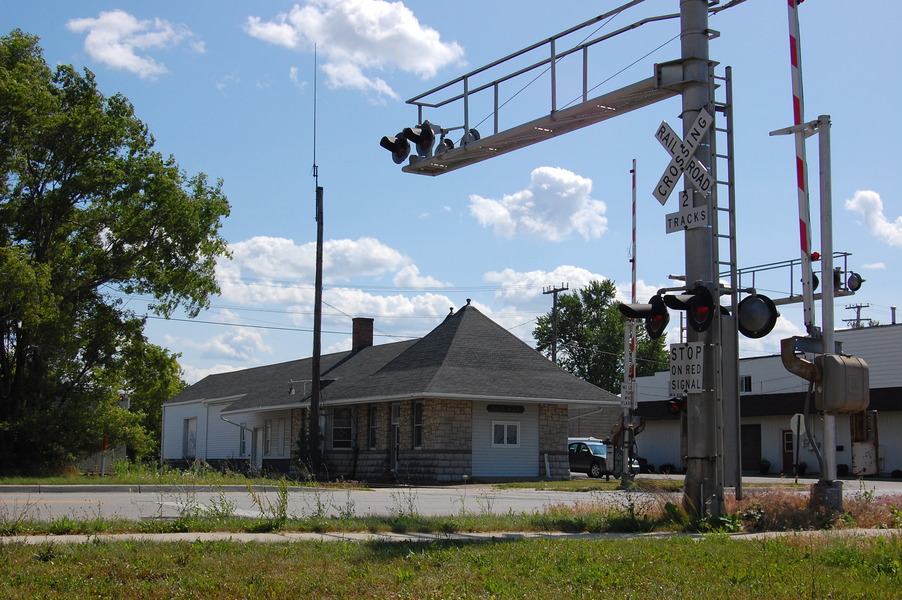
[(776, 510)]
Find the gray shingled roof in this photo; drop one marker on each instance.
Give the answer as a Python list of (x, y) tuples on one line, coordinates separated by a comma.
[(467, 355)]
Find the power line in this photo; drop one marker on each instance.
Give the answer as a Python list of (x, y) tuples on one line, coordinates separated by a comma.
[(273, 327), (290, 283), (290, 311)]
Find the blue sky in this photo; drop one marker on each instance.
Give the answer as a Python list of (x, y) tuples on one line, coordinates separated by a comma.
[(227, 87)]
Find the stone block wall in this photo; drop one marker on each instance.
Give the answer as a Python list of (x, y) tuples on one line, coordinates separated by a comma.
[(447, 443), (447, 466), (553, 441), (448, 425), (594, 422)]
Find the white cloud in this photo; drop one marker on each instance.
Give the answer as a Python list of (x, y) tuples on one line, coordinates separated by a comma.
[(769, 344), (193, 374), (355, 302), (295, 77), (239, 343), (280, 258), (227, 80), (874, 266), (357, 37), (409, 277), (268, 271), (116, 37), (556, 203), (527, 285), (870, 206), (644, 291), (234, 343)]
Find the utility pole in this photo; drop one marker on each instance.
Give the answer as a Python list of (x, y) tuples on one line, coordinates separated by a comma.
[(314, 454), (856, 322), (554, 291), (314, 439)]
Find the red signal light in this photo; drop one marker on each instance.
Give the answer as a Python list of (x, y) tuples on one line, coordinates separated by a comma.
[(699, 306), (654, 312), (676, 405), (700, 313)]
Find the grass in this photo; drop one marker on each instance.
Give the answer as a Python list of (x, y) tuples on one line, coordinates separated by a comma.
[(678, 567), (123, 472), (801, 565), (628, 511), (662, 483), (648, 505), (593, 485)]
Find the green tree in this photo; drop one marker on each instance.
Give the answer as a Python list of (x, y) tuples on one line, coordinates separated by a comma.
[(90, 214), (590, 337), (151, 375)]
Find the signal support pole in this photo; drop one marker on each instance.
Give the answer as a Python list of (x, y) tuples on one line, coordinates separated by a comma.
[(827, 492), (704, 483)]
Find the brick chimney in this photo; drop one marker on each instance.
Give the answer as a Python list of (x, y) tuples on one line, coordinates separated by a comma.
[(362, 333)]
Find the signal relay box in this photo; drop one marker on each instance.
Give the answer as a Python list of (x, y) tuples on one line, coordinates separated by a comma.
[(843, 385)]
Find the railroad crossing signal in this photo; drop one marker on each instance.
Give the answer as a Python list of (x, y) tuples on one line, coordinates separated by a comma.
[(699, 305), (654, 312), (756, 314), (683, 160)]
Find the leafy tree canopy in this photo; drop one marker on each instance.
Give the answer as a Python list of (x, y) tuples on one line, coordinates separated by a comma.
[(90, 214), (590, 337)]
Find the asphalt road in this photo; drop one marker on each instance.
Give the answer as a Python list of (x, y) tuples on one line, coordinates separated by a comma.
[(136, 503)]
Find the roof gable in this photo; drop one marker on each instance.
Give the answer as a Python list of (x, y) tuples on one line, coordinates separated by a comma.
[(467, 355)]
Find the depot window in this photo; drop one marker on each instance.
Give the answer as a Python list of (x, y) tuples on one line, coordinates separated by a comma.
[(342, 428), (505, 434)]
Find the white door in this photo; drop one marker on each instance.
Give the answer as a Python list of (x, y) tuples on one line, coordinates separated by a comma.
[(189, 439)]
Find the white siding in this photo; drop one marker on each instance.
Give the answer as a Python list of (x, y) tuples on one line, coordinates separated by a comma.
[(880, 347), (659, 443), (889, 440), (225, 438), (222, 440), (217, 439), (173, 428), (489, 461)]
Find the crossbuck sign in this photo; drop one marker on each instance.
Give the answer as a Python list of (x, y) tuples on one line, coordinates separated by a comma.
[(682, 160)]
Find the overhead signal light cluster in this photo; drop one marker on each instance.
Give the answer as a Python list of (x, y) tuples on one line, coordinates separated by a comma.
[(424, 136)]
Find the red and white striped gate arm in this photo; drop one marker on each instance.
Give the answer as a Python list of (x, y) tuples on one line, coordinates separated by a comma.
[(633, 299), (798, 107)]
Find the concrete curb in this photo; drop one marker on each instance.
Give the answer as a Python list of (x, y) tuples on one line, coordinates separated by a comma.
[(389, 537), (137, 489)]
